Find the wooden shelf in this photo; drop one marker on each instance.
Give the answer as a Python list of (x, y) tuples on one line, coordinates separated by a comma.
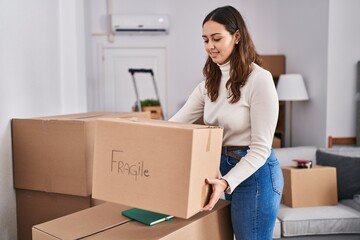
[(276, 65)]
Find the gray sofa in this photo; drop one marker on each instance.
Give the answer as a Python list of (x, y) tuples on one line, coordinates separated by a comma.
[(324, 222)]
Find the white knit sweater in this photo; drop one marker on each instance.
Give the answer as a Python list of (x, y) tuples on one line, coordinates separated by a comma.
[(249, 122)]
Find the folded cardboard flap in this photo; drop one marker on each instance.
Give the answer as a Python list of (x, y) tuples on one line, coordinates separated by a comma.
[(74, 116), (160, 123), (83, 223), (85, 115)]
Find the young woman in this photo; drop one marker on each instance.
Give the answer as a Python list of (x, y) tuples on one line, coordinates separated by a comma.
[(240, 96)]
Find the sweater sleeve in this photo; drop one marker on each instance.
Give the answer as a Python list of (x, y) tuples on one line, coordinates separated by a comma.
[(264, 108), (193, 108)]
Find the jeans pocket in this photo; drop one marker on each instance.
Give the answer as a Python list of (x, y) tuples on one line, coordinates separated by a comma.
[(231, 161), (277, 178), (226, 164)]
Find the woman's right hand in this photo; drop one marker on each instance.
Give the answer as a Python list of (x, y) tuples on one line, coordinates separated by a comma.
[(218, 188)]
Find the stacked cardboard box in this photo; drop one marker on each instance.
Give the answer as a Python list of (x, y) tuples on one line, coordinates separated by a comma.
[(106, 222), (156, 165), (53, 160)]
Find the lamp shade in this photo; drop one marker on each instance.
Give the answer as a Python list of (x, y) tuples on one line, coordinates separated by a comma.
[(291, 87)]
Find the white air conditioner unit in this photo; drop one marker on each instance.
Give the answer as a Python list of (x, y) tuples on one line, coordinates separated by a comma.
[(141, 23)]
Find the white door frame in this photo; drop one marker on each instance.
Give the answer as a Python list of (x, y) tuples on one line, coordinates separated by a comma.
[(117, 89)]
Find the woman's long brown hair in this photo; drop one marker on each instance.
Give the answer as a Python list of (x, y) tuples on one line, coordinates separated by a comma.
[(241, 58)]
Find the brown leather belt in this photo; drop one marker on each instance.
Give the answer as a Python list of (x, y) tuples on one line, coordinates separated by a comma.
[(227, 150)]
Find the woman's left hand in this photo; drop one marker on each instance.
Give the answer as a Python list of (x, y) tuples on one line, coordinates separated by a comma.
[(218, 188)]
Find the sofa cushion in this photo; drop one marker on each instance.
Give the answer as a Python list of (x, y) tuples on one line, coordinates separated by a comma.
[(286, 156), (347, 163), (277, 229), (355, 204), (339, 219), (343, 151)]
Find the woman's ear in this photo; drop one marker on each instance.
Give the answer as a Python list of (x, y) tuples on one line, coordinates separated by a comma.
[(237, 36)]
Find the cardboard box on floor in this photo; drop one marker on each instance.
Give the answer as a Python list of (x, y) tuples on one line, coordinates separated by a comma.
[(309, 187), (156, 165), (55, 154), (106, 222)]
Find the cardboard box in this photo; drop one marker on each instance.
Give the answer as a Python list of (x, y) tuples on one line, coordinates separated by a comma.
[(34, 207), (155, 111), (106, 222), (156, 165), (304, 187), (55, 154)]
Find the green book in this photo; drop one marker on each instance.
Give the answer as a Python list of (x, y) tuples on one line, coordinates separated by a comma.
[(146, 217)]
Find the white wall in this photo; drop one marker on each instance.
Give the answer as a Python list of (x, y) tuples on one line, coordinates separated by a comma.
[(303, 38), (310, 33), (72, 55), (41, 73), (185, 52), (320, 40), (344, 53)]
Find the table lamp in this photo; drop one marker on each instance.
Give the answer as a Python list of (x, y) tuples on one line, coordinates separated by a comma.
[(291, 87)]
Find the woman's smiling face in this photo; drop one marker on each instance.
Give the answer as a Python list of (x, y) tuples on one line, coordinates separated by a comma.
[(218, 42)]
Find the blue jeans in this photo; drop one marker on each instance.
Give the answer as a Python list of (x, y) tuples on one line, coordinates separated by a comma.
[(255, 202)]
